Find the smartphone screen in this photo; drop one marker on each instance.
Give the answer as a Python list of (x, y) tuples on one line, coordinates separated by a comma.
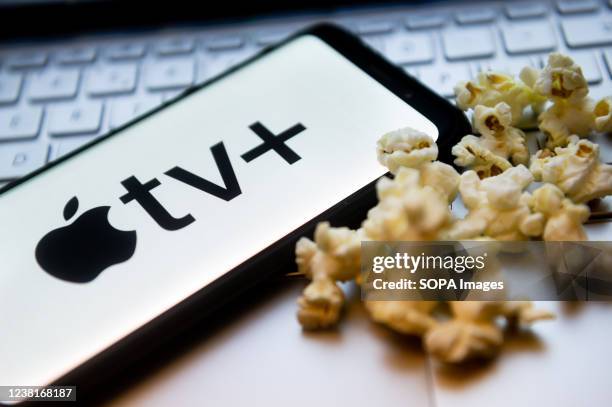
[(103, 242)]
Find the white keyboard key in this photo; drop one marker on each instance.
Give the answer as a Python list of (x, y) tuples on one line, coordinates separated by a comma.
[(66, 145), (468, 43), (75, 119), (19, 159), (167, 74), (531, 36), (175, 46), (76, 55), (123, 111), (410, 48), (608, 58), (421, 21), (20, 123), (53, 84), (475, 16), (126, 50), (374, 27), (576, 6), (443, 79), (224, 43), (10, 87), (111, 79), (589, 65), (27, 60), (525, 9), (585, 31)]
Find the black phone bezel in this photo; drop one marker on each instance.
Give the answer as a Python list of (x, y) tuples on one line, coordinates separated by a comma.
[(274, 260)]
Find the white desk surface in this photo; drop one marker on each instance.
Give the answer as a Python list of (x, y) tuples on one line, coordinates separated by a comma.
[(262, 358)]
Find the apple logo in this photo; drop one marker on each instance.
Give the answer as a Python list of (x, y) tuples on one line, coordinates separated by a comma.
[(80, 251)]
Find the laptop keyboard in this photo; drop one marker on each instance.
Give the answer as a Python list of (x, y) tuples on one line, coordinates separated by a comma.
[(56, 96)]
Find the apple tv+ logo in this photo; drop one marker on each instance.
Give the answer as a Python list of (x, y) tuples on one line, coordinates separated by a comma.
[(79, 251)]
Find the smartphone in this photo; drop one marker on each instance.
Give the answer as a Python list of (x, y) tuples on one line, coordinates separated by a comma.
[(117, 245)]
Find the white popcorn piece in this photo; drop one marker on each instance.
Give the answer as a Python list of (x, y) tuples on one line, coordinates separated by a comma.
[(492, 121), (563, 218), (470, 153), (529, 75), (491, 88), (603, 115), (305, 250), (410, 148), (497, 134), (406, 317), (407, 210), (333, 256), (575, 169), (561, 79), (320, 304), (457, 340), (572, 112), (497, 207), (441, 177), (562, 119), (473, 332), (405, 147)]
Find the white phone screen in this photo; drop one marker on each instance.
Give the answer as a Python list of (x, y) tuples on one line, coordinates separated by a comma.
[(87, 255)]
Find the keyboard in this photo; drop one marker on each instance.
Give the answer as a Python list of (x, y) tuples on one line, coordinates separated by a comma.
[(57, 95)]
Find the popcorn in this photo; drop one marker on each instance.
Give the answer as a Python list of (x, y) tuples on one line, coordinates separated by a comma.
[(563, 218), (473, 332), (405, 147), (561, 79), (320, 304), (571, 113), (603, 115), (562, 120), (411, 148), (492, 121), (529, 75), (497, 207), (459, 340), (498, 135), (441, 177), (414, 205), (407, 210), (575, 169), (472, 154), (491, 88), (333, 256), (406, 317)]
